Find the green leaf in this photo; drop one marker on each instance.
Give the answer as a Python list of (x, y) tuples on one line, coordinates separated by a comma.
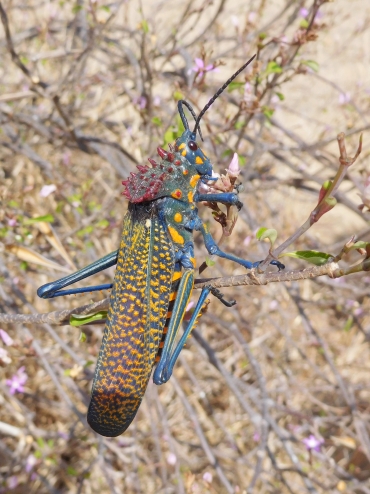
[(304, 23), (157, 121), (79, 319), (360, 245), (40, 442), (262, 36), (280, 96), (71, 470), (85, 231), (267, 111), (242, 160), (82, 337), (312, 256), (226, 153), (103, 223), (178, 95), (312, 64), (106, 8), (76, 8), (269, 233), (348, 324), (273, 68), (169, 136), (235, 85), (48, 218), (145, 26), (88, 363), (210, 262), (239, 124)]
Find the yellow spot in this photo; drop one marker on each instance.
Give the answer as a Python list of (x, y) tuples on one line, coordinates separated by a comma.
[(178, 217), (176, 275), (185, 172), (184, 152), (194, 262), (190, 196), (148, 223), (194, 180), (176, 237), (182, 145), (199, 161)]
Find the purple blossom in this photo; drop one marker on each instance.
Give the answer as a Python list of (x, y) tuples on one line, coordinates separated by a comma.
[(8, 341), (30, 463), (200, 67), (17, 382), (66, 158), (312, 443), (303, 12), (12, 482), (140, 102)]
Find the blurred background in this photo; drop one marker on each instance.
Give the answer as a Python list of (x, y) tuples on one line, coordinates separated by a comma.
[(271, 396)]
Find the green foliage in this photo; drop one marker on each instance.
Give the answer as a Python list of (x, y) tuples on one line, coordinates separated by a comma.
[(312, 256), (267, 233), (79, 319)]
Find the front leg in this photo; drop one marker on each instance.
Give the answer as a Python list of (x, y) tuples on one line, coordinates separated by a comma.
[(230, 198), (197, 224)]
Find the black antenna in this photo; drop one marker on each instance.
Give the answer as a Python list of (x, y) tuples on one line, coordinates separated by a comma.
[(222, 89), (183, 117)]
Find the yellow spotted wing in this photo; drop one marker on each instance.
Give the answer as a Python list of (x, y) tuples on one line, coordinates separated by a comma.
[(136, 317)]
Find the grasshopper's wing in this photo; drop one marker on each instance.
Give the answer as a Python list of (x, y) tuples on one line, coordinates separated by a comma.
[(136, 317)]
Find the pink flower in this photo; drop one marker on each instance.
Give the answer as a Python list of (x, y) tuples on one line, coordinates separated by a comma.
[(156, 101), (200, 68), (303, 12), (234, 168), (252, 16), (344, 98), (17, 382), (47, 190), (207, 476), (12, 222), (247, 240), (256, 437), (312, 443), (6, 338), (171, 459)]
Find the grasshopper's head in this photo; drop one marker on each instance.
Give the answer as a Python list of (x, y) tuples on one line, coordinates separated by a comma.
[(186, 145)]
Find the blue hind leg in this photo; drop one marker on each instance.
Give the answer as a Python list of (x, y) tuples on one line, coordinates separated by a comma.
[(54, 289)]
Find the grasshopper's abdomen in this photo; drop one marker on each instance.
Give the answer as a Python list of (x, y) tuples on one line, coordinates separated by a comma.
[(136, 316)]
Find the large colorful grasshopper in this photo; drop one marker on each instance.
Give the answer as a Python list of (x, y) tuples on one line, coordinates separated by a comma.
[(154, 277)]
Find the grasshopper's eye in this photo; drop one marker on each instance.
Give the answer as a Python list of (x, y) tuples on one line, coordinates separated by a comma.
[(192, 146)]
